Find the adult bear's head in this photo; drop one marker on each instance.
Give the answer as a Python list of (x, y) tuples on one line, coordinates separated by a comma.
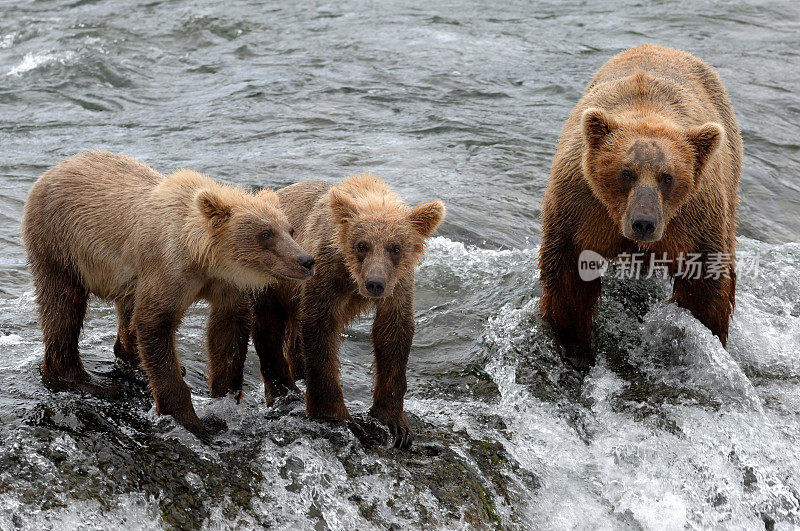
[(643, 170)]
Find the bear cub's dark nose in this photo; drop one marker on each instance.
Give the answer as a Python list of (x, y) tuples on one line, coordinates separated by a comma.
[(375, 286), (644, 227), (306, 261)]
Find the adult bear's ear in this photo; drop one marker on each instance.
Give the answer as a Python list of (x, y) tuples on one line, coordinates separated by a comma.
[(705, 139), (343, 208), (426, 217), (270, 196), (212, 206), (596, 126)]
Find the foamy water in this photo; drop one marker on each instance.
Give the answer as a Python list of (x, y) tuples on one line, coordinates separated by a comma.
[(670, 429), (37, 60)]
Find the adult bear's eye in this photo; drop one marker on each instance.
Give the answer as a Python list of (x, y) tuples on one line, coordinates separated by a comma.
[(666, 180), (266, 235), (396, 249), (362, 247), (627, 176), (291, 232)]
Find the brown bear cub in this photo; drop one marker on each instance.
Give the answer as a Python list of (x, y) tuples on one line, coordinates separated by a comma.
[(105, 224), (648, 162), (366, 243)]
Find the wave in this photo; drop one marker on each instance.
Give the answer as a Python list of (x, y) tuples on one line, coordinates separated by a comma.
[(32, 61), (669, 428)]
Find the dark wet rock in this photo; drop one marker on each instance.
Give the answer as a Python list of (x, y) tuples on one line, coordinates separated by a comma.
[(470, 486), (469, 478), (749, 477), (99, 450), (74, 448)]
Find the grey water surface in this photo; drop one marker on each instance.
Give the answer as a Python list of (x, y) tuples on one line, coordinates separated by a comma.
[(457, 100)]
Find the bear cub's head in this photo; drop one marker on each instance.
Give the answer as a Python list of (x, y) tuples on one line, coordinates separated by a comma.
[(644, 171), (249, 239), (381, 238)]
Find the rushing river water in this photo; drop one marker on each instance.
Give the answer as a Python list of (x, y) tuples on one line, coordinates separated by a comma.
[(452, 100)]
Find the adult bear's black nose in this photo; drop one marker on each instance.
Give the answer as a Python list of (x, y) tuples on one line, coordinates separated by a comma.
[(644, 226), (307, 261), (375, 286)]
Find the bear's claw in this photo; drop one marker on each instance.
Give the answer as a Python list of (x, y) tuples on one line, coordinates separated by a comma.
[(204, 429), (86, 383), (401, 433), (399, 429)]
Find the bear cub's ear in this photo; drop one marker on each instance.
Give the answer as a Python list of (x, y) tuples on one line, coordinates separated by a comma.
[(270, 196), (426, 217), (705, 139), (597, 125), (212, 206), (342, 206)]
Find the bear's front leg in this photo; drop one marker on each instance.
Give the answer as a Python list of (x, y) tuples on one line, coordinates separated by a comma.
[(155, 321), (392, 334), (567, 302), (227, 335), (321, 333), (269, 334), (711, 301)]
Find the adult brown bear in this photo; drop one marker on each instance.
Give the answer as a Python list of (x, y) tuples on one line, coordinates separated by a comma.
[(649, 161), (366, 243), (104, 224)]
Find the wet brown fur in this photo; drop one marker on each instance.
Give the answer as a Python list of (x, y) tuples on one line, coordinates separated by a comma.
[(104, 224), (297, 328), (662, 111)]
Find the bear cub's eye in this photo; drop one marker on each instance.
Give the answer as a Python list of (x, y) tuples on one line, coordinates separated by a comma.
[(291, 232), (362, 247), (627, 176), (666, 180), (396, 249), (266, 234)]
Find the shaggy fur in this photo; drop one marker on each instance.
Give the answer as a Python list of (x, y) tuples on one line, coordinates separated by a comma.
[(358, 231), (105, 224), (655, 135)]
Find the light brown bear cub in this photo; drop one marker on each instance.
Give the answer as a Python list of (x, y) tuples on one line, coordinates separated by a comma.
[(648, 162), (366, 243), (104, 224)]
